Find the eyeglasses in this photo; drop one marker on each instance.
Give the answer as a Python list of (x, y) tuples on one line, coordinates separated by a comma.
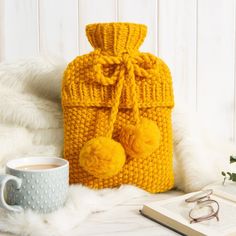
[(205, 207)]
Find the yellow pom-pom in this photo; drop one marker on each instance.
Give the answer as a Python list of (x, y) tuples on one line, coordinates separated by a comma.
[(102, 157), (140, 140)]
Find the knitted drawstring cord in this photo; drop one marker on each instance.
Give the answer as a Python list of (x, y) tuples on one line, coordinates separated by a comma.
[(135, 138)]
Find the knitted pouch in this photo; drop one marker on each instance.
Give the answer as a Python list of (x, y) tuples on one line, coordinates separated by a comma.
[(117, 106)]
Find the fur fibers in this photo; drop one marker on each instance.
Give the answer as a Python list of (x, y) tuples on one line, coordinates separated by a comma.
[(80, 204), (31, 125)]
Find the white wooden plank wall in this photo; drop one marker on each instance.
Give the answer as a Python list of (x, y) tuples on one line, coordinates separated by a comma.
[(58, 27), (216, 63), (2, 33), (196, 38), (20, 28), (177, 45)]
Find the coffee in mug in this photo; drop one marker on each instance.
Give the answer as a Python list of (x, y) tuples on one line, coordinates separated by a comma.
[(37, 167), (37, 183)]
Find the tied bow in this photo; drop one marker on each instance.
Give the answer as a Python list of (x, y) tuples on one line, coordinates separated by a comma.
[(125, 62), (128, 66)]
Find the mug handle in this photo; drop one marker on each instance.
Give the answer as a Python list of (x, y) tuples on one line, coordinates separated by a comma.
[(3, 181)]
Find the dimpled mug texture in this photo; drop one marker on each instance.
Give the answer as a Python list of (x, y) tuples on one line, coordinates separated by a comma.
[(42, 191)]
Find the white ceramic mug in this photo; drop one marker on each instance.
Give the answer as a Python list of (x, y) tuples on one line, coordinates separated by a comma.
[(43, 189)]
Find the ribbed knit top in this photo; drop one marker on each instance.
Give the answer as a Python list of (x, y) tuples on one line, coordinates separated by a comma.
[(116, 38)]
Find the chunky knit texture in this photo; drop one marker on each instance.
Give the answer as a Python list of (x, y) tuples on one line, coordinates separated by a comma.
[(112, 91)]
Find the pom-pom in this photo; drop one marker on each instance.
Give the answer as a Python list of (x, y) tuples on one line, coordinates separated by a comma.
[(102, 157), (140, 140)]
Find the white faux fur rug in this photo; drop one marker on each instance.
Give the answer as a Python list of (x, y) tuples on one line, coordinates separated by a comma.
[(31, 124), (80, 204)]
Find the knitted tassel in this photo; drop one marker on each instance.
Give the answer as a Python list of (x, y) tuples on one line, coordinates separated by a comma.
[(103, 157)]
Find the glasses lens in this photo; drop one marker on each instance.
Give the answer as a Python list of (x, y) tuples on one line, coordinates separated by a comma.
[(199, 212), (205, 210)]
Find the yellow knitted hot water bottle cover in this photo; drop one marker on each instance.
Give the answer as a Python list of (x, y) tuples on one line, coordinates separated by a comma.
[(117, 106)]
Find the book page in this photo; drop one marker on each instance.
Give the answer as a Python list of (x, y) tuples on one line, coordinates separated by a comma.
[(227, 191)]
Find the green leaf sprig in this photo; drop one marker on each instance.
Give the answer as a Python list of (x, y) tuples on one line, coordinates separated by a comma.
[(231, 176)]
